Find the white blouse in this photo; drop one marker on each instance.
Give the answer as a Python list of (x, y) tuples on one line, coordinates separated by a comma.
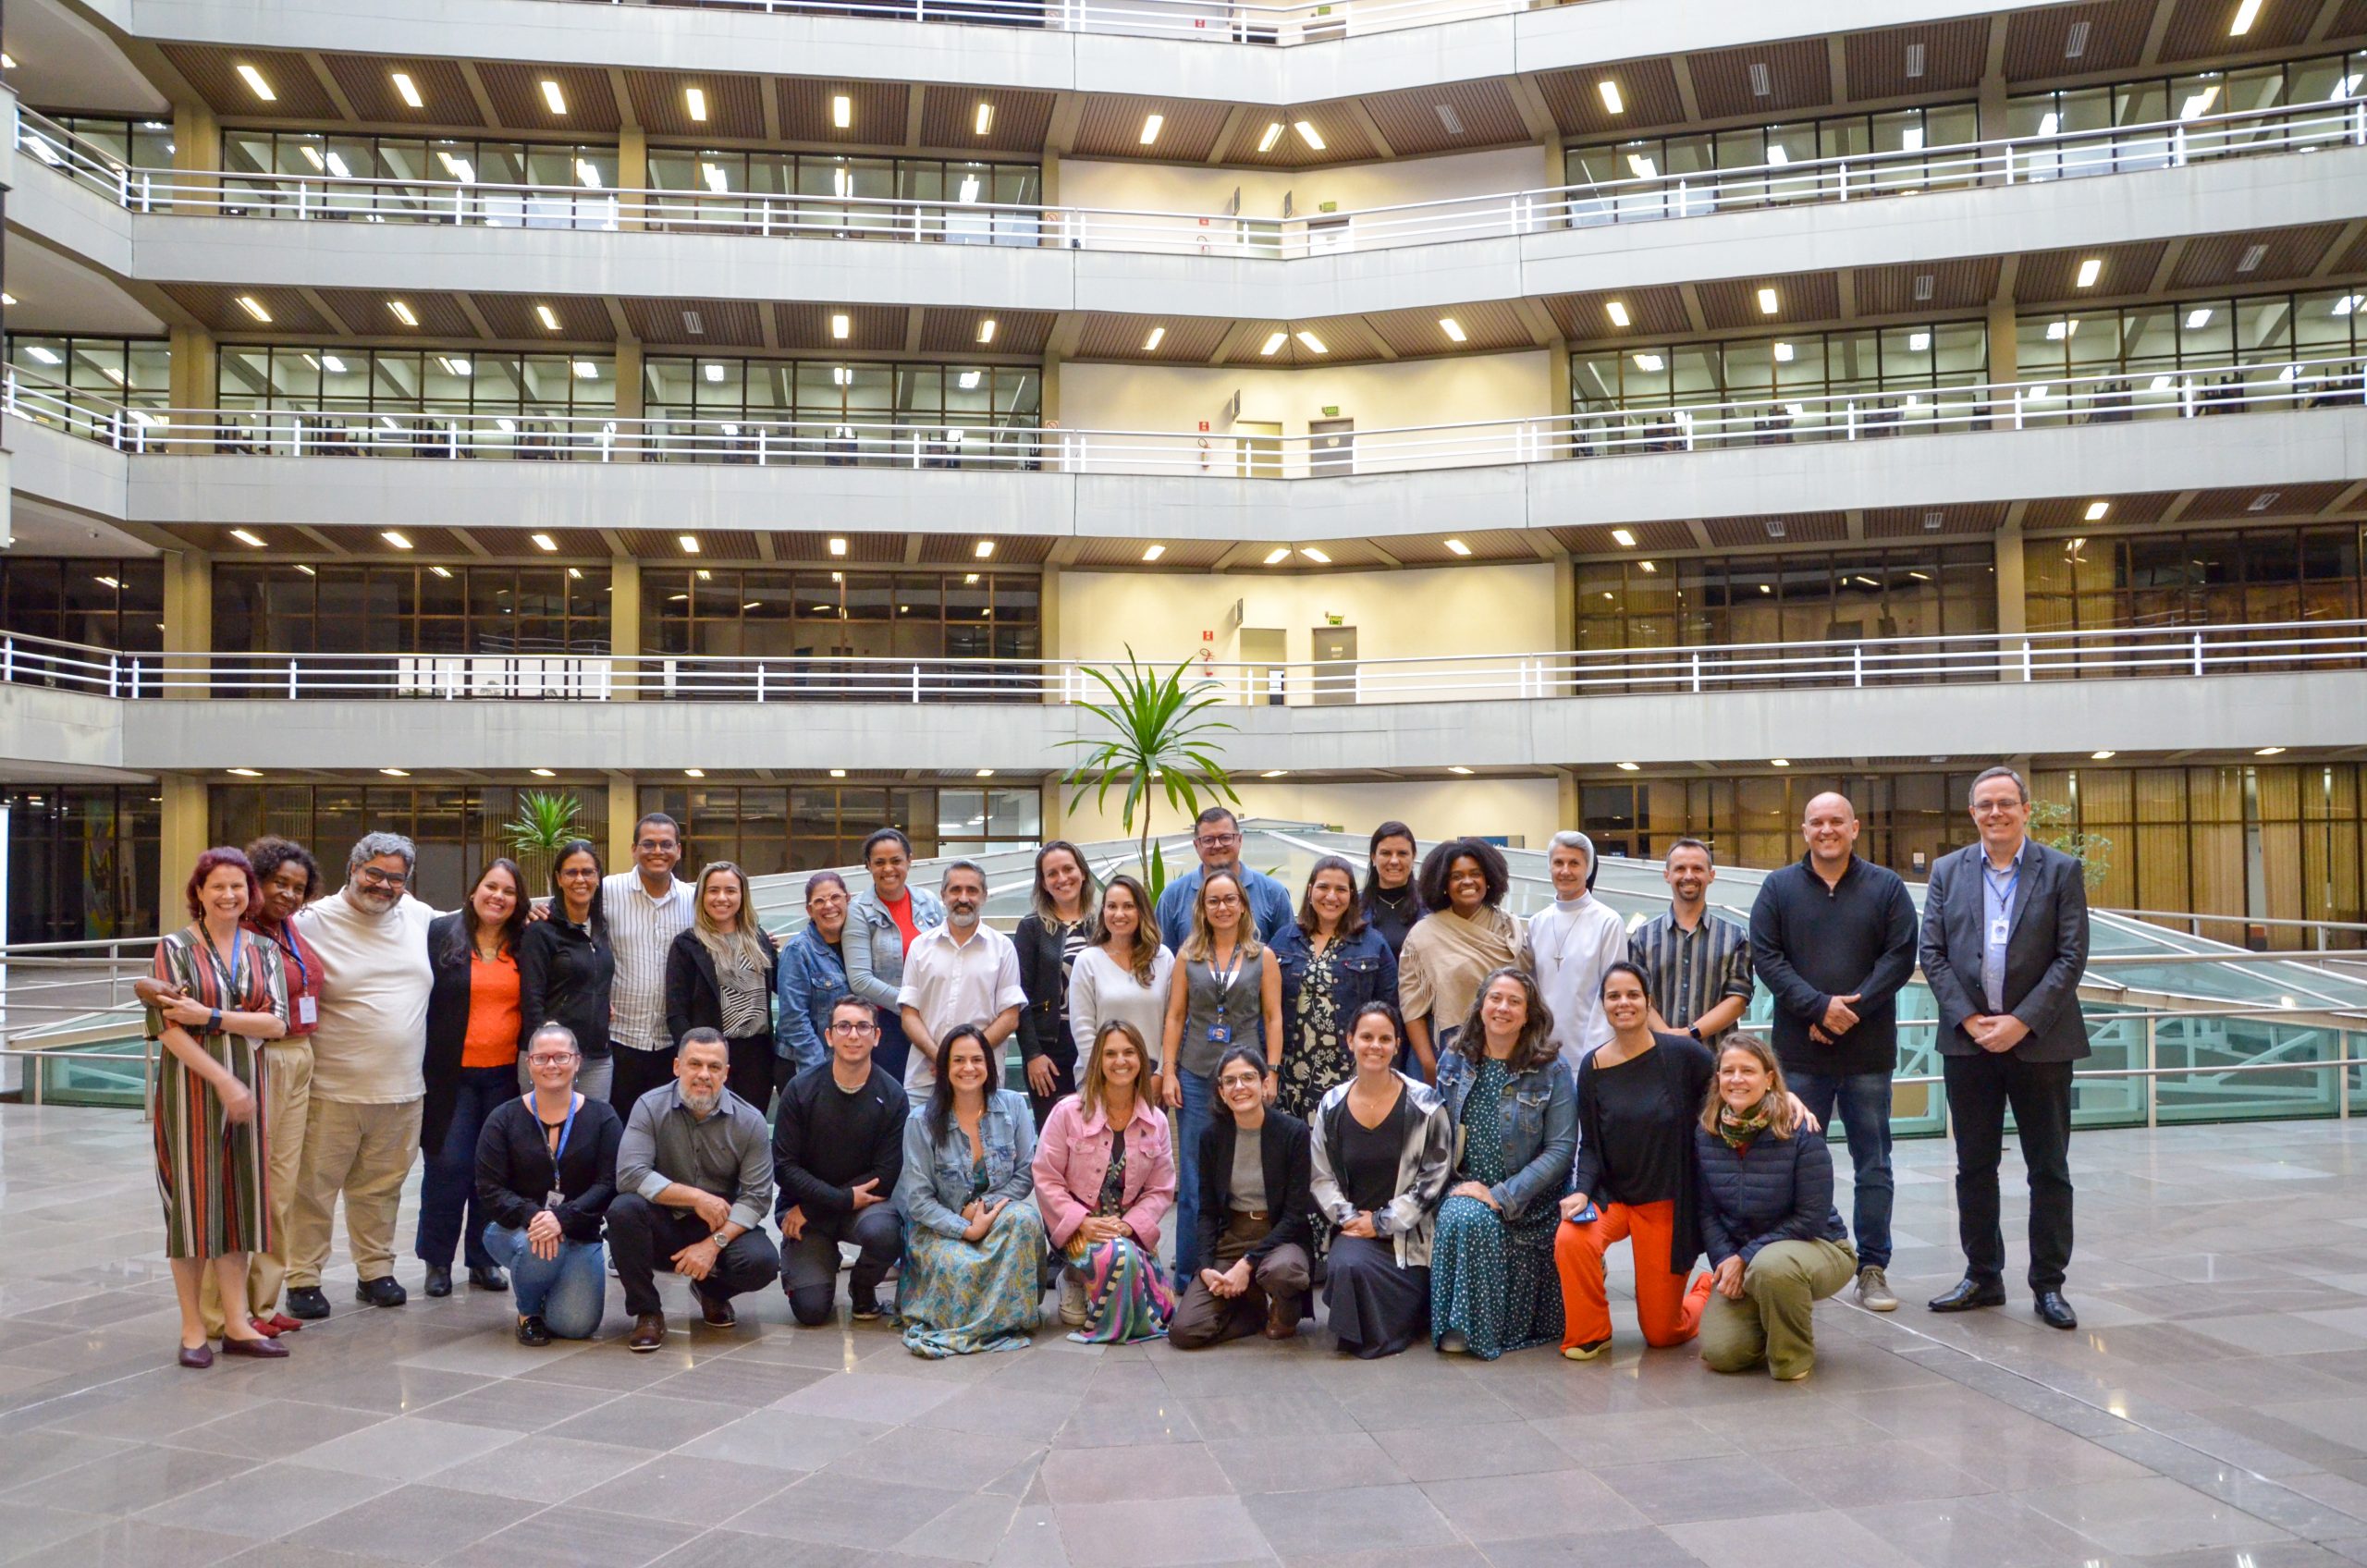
[(1099, 991)]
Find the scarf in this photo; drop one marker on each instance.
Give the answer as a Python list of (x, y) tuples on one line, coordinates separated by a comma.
[(1739, 1131)]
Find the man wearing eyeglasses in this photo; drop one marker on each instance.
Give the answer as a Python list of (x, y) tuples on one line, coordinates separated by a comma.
[(368, 1084), (837, 1151), (1216, 837), (2005, 944)]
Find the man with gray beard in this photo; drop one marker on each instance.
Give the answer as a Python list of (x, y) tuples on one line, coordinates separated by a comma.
[(695, 1179)]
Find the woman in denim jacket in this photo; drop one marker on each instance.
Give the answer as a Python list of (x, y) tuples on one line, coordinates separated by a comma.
[(1510, 1095), (881, 923), (1333, 963), (812, 976), (974, 1260)]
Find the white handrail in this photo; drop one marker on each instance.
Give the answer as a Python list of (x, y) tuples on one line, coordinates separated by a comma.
[(2066, 154)]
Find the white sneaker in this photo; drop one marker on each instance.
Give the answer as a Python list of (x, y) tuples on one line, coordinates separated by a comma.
[(1873, 1290), (1071, 1299)]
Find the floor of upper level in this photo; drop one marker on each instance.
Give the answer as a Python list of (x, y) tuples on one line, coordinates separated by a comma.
[(2212, 1413)]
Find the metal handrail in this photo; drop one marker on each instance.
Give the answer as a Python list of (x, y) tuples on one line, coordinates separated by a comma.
[(1646, 198), (2011, 656), (1867, 414)]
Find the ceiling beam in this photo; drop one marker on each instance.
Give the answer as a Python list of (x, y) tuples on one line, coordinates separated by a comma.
[(469, 543), (319, 306), (1837, 61), (617, 322), (913, 549), (1682, 71), (1855, 521), (1068, 330), (2168, 267), (1068, 113), (1694, 319), (625, 115), (478, 95), (1542, 329), (2156, 31), (617, 550), (1219, 147), (1371, 127), (2340, 248), (2177, 508), (1534, 114), (2346, 500), (320, 69), (324, 539), (477, 323), (1238, 340), (911, 329), (1381, 344), (1700, 532), (2327, 11), (913, 102), (765, 546)]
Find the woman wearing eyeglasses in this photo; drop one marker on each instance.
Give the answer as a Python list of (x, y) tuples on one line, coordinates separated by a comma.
[(546, 1170), (811, 976), (566, 966)]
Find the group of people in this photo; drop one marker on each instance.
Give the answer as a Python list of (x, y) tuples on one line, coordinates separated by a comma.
[(1393, 1093)]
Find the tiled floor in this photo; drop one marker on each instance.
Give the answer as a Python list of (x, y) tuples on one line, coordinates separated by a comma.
[(2212, 1411)]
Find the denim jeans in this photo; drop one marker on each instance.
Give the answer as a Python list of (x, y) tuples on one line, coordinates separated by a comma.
[(1860, 1101), (447, 1187), (567, 1292), (1191, 1120)]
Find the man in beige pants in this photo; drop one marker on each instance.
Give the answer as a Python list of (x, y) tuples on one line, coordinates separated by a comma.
[(362, 1130)]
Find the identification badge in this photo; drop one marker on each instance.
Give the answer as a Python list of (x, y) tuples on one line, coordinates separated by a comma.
[(1998, 929), (307, 1010), (551, 1200), (1219, 1033)]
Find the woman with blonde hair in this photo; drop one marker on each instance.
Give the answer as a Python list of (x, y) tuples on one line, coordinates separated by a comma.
[(1105, 1177), (1227, 991), (1776, 1244), (719, 977)]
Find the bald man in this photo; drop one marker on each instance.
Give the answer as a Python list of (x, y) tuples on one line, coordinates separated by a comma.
[(1833, 937)]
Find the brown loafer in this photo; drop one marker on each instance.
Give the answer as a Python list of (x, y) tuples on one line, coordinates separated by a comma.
[(262, 1350), (1281, 1320), (717, 1311), (648, 1332)]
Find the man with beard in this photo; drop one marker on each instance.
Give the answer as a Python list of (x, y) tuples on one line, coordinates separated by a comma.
[(1216, 839), (694, 1177), (961, 972), (362, 1128), (1697, 966)]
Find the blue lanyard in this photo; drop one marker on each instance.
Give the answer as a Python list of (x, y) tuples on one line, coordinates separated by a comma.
[(230, 975), (2013, 880), (566, 1131), (296, 956)]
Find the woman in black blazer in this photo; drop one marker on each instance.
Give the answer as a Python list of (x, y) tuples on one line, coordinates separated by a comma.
[(1255, 1244), (719, 977), (476, 1031), (1058, 926)]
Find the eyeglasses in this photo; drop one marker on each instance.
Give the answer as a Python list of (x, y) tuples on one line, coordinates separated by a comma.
[(377, 878), (1994, 808), (655, 844), (1217, 840), (1240, 1081), (842, 1027), (548, 1059)]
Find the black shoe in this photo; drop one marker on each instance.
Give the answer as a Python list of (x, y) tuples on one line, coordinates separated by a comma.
[(2053, 1311), (532, 1332), (1966, 1294), (386, 1290), (439, 1279), (307, 1303), (863, 1309), (489, 1278)]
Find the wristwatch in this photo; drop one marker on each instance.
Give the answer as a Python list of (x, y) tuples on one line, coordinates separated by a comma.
[(1694, 1030), (720, 1240)]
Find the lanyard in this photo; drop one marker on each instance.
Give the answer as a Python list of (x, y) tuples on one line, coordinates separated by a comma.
[(230, 973), (566, 1130), (1224, 978), (2014, 880), (295, 956)]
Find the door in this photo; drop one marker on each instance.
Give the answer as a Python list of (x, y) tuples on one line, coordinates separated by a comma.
[(1258, 448), (1333, 444), (1335, 665)]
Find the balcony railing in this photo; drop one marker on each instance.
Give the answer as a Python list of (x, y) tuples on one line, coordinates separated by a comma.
[(849, 442), (1646, 199), (2193, 651)]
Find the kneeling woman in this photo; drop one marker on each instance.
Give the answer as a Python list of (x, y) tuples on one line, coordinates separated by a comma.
[(1493, 1288), (1105, 1177), (546, 1172), (1383, 1148), (1774, 1240), (973, 1261)]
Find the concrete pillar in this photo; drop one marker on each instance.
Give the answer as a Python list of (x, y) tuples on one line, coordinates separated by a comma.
[(1050, 193), (1048, 621), (189, 622), (2013, 598), (1557, 165), (1992, 112), (632, 173), (630, 396), (624, 626), (197, 139), (1557, 392), (624, 804), (2004, 352), (192, 380), (182, 835)]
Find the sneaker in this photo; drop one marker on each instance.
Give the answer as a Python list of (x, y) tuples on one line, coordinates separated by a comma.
[(385, 1291), (1585, 1352), (1873, 1290), (307, 1304), (1071, 1299), (865, 1309), (1453, 1342)]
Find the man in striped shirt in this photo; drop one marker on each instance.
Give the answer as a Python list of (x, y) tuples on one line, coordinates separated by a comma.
[(1697, 966), (646, 907)]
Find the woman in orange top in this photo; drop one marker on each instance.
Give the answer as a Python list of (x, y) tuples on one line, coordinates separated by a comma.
[(475, 1034)]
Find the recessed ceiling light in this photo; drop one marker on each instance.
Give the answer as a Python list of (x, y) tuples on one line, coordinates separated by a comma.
[(402, 313), (1932, 523), (396, 772), (247, 772), (838, 544), (1777, 528), (544, 542), (838, 773), (1150, 129), (553, 96), (1784, 353), (840, 326), (586, 175), (1650, 363), (2342, 307), (1448, 118), (1626, 767), (1307, 134), (2104, 755), (2057, 331), (2270, 752), (986, 330), (1317, 557), (408, 90), (717, 180), (1623, 539), (984, 549), (542, 773), (1453, 329), (694, 100), (969, 579), (1458, 767), (714, 373), (2096, 510), (1158, 335), (2264, 500), (2252, 258), (2090, 270), (1152, 552), (2198, 316), (1779, 762), (8, 61), (1617, 312), (1767, 304), (841, 110), (253, 79), (1649, 565), (454, 365), (1919, 342), (1273, 133), (1314, 344), (253, 307), (8, 298), (688, 541), (109, 582), (1275, 773), (986, 772), (2199, 105), (1643, 168), (1611, 99), (549, 317), (983, 121), (586, 370), (1458, 548), (694, 773), (2246, 13), (1760, 86), (243, 537), (1276, 558), (397, 539), (1274, 344), (43, 354)]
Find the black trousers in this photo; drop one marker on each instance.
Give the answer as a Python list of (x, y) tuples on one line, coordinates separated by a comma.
[(810, 1265), (750, 1075), (643, 1238), (637, 1073), (1063, 1082), (1981, 1088)]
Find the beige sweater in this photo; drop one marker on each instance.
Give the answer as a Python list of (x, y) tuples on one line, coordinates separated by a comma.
[(374, 978)]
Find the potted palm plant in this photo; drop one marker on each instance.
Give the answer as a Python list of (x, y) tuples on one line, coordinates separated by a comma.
[(1160, 740), (546, 819)]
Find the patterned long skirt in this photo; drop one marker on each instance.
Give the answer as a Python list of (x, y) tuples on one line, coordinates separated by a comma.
[(210, 1172), (959, 1298), (1493, 1282), (1126, 1298)]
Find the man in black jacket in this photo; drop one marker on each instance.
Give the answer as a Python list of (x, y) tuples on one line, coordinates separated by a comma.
[(1254, 1209), (1833, 937), (2004, 943), (837, 1151)]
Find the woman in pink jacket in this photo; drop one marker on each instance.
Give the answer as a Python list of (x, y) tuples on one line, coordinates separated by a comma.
[(1105, 1177)]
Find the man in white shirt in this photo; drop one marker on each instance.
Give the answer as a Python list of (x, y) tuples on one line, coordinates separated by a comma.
[(961, 972), (367, 1079), (1571, 944), (646, 907)]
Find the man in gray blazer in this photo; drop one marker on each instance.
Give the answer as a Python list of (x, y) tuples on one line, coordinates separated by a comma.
[(2004, 943)]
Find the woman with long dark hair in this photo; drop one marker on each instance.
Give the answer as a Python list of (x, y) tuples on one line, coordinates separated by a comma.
[(719, 977), (973, 1278), (1051, 935), (1123, 973), (1392, 903), (475, 1032), (566, 966), (1333, 964)]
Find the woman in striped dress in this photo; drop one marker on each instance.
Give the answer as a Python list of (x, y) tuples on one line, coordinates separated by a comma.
[(224, 995)]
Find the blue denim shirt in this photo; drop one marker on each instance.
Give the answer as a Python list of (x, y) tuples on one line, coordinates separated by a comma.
[(937, 1178), (1540, 1122), (1366, 971), (810, 977), (1270, 905), (875, 947)]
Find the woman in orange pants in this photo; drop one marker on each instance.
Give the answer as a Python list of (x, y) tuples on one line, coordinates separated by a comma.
[(1639, 1099)]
